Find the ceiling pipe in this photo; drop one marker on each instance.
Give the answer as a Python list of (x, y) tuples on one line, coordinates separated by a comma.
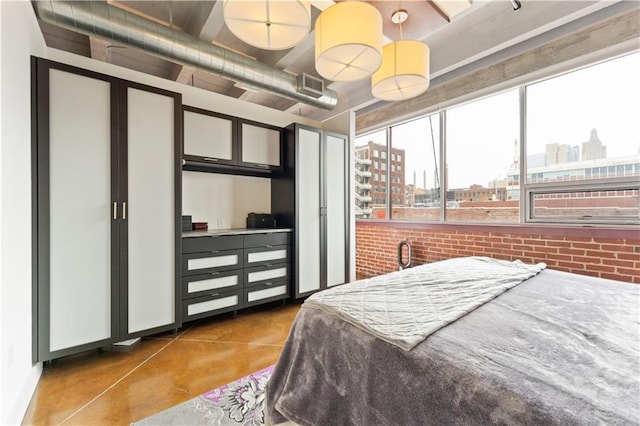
[(102, 20)]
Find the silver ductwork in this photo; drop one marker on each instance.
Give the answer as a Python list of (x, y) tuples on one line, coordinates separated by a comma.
[(102, 20)]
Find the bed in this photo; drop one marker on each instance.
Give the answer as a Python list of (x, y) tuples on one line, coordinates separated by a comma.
[(555, 348)]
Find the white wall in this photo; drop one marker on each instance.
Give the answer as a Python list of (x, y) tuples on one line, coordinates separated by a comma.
[(19, 37), (209, 197)]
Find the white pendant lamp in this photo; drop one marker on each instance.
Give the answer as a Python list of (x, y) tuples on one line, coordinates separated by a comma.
[(268, 24), (404, 72), (348, 44)]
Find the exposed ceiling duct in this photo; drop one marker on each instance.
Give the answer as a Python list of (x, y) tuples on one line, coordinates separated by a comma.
[(102, 20)]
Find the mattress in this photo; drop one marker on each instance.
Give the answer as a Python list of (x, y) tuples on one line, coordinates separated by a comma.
[(559, 348)]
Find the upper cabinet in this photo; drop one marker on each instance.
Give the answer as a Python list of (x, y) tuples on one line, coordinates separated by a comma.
[(209, 137), (260, 145), (220, 143)]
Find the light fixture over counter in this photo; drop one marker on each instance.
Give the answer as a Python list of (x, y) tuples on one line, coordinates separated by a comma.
[(348, 41), (268, 24), (404, 72)]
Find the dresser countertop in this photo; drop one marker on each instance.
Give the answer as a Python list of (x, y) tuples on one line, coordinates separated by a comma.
[(233, 231)]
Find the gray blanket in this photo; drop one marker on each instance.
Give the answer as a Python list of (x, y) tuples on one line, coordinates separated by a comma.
[(557, 349), (405, 307)]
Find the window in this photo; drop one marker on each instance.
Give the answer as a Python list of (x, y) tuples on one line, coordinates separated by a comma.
[(415, 145), (370, 194), (482, 150), (583, 138), (586, 206), (581, 165)]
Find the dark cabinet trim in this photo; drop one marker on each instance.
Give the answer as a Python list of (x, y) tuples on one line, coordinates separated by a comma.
[(40, 109), (269, 167), (284, 206), (198, 163), (241, 245), (194, 158)]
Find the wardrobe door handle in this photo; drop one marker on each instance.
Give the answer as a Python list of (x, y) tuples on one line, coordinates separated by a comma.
[(115, 211), (124, 210)]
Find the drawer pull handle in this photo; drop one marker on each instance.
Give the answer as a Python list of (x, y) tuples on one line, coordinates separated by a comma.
[(214, 273), (209, 159), (268, 246), (214, 294), (214, 251), (268, 283), (268, 265)]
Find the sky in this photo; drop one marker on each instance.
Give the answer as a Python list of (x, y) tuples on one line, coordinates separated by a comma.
[(481, 134)]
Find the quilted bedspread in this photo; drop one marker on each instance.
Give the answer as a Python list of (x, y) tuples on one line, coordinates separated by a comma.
[(559, 349), (404, 307)]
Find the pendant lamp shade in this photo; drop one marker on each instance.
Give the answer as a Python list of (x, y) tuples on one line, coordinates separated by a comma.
[(404, 72), (268, 24), (348, 44)]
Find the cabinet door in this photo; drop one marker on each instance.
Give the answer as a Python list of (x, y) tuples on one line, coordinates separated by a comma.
[(209, 137), (337, 206), (150, 211), (308, 203), (76, 289), (260, 145)]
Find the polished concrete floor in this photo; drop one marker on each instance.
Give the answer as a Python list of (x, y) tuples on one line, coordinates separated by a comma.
[(117, 388)]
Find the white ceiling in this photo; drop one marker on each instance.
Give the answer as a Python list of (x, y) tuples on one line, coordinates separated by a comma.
[(488, 31)]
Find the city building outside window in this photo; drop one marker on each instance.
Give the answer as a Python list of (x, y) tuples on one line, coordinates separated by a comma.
[(583, 148), (581, 165), (416, 157), (482, 149), (370, 187)]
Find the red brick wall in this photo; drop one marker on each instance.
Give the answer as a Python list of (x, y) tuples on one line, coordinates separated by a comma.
[(600, 252)]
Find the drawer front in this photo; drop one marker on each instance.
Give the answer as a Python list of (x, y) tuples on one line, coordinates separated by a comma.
[(201, 307), (213, 282), (266, 292), (211, 243), (266, 274), (256, 256), (214, 261), (266, 240)]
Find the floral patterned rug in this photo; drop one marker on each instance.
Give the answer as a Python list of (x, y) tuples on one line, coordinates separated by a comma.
[(237, 403)]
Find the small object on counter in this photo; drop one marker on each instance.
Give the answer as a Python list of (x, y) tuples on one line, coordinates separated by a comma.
[(261, 220), (186, 223), (200, 226)]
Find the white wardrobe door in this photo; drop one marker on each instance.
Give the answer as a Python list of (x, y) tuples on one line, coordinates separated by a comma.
[(308, 210), (260, 145), (207, 136), (80, 221), (151, 210), (336, 210)]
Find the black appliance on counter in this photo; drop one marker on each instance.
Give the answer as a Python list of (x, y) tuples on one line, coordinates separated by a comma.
[(261, 220)]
